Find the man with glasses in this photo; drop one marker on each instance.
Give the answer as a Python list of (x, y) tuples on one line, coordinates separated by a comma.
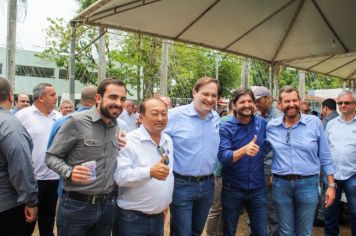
[(144, 174), (341, 134), (300, 149)]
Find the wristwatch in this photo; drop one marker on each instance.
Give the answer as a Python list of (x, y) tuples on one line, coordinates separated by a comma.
[(68, 173), (333, 185)]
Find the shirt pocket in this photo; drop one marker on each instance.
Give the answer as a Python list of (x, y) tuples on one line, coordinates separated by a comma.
[(93, 148)]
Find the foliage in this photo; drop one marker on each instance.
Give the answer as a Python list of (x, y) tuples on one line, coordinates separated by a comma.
[(136, 59)]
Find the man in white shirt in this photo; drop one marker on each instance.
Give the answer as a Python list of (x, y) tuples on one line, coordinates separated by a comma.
[(38, 120), (144, 174), (129, 116), (341, 134)]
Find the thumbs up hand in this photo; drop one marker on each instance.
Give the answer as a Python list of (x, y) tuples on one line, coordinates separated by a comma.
[(251, 149), (160, 170)]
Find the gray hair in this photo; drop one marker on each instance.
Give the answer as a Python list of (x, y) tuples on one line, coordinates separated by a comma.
[(346, 92), (39, 90), (66, 101)]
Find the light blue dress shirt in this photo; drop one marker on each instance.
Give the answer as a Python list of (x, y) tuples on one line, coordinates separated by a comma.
[(300, 150), (195, 140), (342, 139)]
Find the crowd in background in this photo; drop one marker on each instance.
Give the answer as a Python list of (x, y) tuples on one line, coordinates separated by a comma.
[(113, 167)]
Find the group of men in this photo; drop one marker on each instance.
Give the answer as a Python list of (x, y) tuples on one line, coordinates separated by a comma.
[(169, 161)]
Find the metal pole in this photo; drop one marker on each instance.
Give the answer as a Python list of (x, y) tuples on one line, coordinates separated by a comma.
[(245, 73), (164, 68), (11, 41), (217, 67), (102, 59), (301, 75), (72, 63), (276, 70)]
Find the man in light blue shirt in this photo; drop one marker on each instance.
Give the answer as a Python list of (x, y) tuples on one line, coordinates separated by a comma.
[(341, 134), (194, 129), (300, 149)]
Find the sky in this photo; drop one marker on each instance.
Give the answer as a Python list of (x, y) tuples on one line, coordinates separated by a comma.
[(30, 33)]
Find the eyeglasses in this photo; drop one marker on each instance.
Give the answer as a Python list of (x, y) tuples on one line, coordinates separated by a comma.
[(161, 152), (289, 131), (344, 103)]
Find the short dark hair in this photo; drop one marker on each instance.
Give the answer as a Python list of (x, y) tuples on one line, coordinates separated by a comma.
[(106, 82), (329, 103), (143, 105), (204, 81), (240, 92), (287, 89), (5, 89)]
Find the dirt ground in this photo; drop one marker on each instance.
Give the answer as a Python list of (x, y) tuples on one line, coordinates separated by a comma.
[(242, 229)]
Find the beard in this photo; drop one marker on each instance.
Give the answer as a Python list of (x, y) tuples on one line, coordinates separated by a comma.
[(291, 116), (106, 112), (244, 113)]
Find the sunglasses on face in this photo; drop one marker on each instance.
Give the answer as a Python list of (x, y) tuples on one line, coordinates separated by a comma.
[(344, 103), (161, 152)]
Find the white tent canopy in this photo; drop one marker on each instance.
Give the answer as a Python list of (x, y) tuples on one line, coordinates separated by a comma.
[(313, 35)]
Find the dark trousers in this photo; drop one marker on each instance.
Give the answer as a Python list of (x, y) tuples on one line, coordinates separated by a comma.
[(47, 201), (12, 221)]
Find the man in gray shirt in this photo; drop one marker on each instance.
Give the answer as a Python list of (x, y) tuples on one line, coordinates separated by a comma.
[(84, 153), (18, 187)]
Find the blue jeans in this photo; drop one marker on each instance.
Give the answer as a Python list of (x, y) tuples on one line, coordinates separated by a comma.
[(233, 202), (81, 218), (190, 206), (296, 202), (133, 223), (333, 212)]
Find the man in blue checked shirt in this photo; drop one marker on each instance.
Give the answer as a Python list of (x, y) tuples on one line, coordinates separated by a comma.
[(194, 129), (300, 149)]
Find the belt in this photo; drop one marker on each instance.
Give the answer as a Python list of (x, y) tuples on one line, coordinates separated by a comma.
[(193, 178), (93, 199), (140, 213), (293, 177)]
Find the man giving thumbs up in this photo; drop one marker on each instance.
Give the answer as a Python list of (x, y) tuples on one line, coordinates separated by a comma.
[(144, 174), (241, 153)]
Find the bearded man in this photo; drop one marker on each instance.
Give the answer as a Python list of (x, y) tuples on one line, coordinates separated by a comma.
[(84, 153), (300, 150), (241, 153)]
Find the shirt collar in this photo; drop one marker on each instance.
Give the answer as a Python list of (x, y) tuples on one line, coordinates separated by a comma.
[(35, 109), (346, 122), (145, 136), (236, 121), (95, 117), (280, 120), (191, 111)]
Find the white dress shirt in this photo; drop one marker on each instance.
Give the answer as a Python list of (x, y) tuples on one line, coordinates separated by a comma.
[(137, 190), (39, 128)]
